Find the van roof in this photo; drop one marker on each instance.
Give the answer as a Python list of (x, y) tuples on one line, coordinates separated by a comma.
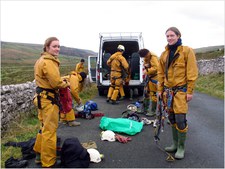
[(120, 35)]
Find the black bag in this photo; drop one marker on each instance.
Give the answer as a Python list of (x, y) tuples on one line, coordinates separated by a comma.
[(15, 163), (74, 155), (26, 148)]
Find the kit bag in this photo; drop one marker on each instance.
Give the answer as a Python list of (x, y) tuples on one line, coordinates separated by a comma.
[(121, 125)]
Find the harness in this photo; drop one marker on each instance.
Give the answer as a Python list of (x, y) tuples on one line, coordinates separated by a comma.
[(43, 93), (154, 81), (171, 92)]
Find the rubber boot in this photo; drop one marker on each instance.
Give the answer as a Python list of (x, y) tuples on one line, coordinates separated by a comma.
[(38, 158), (146, 104), (153, 110), (108, 99), (110, 92), (114, 96), (173, 147), (180, 148), (73, 123)]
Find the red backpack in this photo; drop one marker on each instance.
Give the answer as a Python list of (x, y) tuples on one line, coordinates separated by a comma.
[(65, 100)]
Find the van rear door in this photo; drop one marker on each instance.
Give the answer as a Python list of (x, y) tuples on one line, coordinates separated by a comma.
[(132, 42), (92, 60)]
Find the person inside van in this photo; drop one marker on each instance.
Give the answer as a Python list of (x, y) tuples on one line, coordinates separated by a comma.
[(151, 65), (117, 63)]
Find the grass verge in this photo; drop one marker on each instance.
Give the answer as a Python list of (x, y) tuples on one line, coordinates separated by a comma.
[(212, 85), (27, 125)]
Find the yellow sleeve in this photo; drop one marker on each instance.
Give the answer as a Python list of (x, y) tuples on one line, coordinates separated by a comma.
[(161, 74), (51, 70), (74, 88), (154, 66), (124, 63), (192, 71), (77, 67)]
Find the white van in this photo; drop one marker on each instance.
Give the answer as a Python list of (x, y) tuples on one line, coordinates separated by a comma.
[(133, 42)]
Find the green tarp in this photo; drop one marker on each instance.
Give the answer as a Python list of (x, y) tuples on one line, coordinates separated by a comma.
[(121, 125)]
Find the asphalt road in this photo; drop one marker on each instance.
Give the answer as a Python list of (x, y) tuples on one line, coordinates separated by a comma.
[(204, 144)]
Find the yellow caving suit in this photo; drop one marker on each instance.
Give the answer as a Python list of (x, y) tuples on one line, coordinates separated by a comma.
[(116, 62), (176, 79), (47, 78), (74, 79), (182, 71), (80, 68), (152, 60)]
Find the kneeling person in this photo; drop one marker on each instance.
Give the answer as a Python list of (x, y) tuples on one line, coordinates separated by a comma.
[(68, 116)]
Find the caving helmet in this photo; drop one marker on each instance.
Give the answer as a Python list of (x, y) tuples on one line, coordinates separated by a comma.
[(80, 108), (95, 156), (121, 48), (108, 135)]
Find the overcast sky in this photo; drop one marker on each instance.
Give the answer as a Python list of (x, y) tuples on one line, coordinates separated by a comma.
[(78, 23)]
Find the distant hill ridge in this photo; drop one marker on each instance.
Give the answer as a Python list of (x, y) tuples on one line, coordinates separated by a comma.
[(209, 49), (68, 51), (25, 53)]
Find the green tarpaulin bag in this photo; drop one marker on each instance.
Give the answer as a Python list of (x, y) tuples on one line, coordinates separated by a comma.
[(121, 125)]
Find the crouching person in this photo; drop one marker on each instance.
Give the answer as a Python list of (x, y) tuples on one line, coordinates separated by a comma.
[(67, 115)]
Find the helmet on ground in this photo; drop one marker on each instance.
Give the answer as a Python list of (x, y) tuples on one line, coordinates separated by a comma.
[(80, 108), (121, 48), (95, 156), (132, 107), (108, 135)]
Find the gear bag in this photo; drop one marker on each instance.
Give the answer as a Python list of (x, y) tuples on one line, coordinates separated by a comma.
[(86, 113), (74, 155), (121, 125), (93, 106), (65, 100)]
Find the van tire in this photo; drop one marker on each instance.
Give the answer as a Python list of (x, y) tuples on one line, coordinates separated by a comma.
[(101, 92)]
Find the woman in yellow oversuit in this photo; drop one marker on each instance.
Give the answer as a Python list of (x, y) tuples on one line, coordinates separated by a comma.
[(48, 81)]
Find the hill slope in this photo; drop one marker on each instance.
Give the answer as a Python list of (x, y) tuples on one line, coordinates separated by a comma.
[(27, 54)]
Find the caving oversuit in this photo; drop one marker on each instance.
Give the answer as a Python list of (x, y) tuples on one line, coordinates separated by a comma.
[(177, 74), (80, 68), (151, 65), (74, 79), (48, 81), (117, 62)]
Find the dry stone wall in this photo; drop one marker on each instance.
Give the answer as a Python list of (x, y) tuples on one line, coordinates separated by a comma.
[(17, 99), (211, 66)]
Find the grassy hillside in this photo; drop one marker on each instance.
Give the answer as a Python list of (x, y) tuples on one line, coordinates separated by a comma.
[(209, 49), (18, 59), (209, 52)]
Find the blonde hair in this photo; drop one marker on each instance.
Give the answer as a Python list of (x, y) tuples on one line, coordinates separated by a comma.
[(48, 42)]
